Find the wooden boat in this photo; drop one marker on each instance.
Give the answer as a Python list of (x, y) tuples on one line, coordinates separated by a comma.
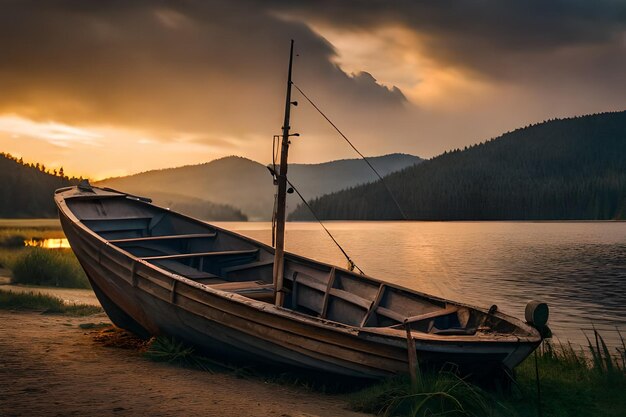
[(157, 272)]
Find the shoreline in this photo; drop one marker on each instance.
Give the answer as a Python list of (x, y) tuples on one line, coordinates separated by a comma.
[(68, 295)]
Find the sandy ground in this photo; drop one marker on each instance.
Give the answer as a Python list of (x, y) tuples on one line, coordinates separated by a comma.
[(51, 367)]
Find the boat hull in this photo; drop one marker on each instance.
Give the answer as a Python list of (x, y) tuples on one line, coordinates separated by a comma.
[(149, 301)]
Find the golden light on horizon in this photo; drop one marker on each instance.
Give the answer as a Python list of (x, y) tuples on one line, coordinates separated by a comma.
[(99, 152), (55, 133)]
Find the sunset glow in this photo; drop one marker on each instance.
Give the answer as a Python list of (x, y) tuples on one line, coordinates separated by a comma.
[(161, 88)]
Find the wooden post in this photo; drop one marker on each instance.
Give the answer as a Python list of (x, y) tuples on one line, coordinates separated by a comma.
[(410, 346), (279, 253)]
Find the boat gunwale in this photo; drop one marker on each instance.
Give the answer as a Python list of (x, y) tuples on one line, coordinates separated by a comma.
[(385, 332)]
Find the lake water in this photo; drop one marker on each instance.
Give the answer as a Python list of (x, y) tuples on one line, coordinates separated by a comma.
[(578, 268)]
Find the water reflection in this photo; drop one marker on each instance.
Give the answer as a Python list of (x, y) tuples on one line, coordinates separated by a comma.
[(579, 268), (60, 243)]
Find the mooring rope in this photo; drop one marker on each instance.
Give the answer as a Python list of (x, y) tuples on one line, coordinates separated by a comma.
[(355, 149)]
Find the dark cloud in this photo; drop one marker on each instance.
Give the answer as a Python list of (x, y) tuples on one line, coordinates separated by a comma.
[(490, 36), (216, 69), (193, 66), (519, 25), (540, 59)]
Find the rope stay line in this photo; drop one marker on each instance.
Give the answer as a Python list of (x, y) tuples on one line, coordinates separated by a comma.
[(351, 264), (355, 149)]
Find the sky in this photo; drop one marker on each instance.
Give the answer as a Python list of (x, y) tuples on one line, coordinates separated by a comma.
[(108, 88)]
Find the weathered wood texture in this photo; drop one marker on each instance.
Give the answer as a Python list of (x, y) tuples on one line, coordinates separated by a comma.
[(159, 272)]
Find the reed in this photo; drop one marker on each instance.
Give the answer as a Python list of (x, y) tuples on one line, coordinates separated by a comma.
[(12, 239), (8, 257), (51, 267), (575, 381), (14, 236), (10, 300), (441, 393), (603, 361)]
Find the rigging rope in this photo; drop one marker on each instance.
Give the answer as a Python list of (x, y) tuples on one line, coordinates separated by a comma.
[(355, 149), (351, 264)]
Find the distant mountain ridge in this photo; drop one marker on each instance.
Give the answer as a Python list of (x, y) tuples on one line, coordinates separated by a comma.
[(565, 169), (247, 185), (27, 190)]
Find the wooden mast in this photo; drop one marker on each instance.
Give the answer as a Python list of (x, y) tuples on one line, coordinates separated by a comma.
[(279, 254)]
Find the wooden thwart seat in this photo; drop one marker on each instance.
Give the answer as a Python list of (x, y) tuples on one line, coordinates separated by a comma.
[(113, 219), (190, 272), (246, 266), (413, 319), (165, 237), (351, 298), (432, 314), (310, 282), (117, 224), (240, 286), (201, 255), (258, 290)]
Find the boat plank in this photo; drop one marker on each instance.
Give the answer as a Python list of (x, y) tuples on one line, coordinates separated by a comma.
[(332, 332), (351, 298), (301, 341)]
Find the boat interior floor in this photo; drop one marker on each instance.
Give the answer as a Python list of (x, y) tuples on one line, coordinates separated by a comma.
[(215, 268)]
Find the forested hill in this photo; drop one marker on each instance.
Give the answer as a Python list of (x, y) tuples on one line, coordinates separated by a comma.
[(26, 190), (560, 169), (246, 184)]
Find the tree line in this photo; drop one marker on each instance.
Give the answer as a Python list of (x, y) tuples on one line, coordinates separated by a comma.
[(562, 169), (27, 189)]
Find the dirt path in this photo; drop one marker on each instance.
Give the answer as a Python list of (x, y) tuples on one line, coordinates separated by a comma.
[(51, 367)]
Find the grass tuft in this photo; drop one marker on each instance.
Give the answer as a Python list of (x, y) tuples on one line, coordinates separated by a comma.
[(10, 300), (441, 393), (587, 381), (170, 350), (574, 382), (12, 240), (51, 267)]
